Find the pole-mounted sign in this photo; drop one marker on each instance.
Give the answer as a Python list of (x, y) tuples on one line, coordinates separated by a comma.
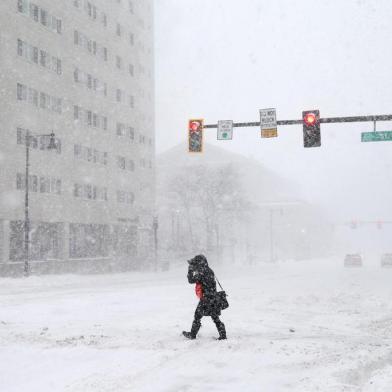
[(376, 136), (268, 123), (225, 130)]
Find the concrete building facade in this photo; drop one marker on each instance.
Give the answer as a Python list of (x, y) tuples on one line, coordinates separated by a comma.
[(84, 70)]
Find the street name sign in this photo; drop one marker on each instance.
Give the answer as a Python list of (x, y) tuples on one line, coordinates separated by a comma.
[(225, 130), (268, 123), (383, 136)]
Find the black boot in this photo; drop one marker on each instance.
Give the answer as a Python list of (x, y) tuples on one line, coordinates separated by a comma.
[(222, 331), (188, 335), (194, 330)]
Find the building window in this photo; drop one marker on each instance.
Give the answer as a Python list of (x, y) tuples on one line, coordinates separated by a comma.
[(76, 37), (46, 184), (105, 54), (125, 130), (44, 17), (78, 190), (77, 112), (130, 6), (89, 8), (131, 133), (118, 95), (90, 192), (30, 95), (118, 62), (120, 129), (89, 81), (121, 162), (21, 182), (125, 164), (130, 165), (118, 30), (40, 15), (21, 92), (59, 69), (34, 12), (32, 53), (77, 151), (104, 19), (90, 118), (23, 6), (131, 101), (89, 45), (125, 197), (131, 69)]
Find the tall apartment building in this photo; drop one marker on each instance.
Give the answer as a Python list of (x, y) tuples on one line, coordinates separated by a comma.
[(84, 70)]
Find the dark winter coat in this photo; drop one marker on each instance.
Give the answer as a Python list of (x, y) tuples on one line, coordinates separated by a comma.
[(200, 272)]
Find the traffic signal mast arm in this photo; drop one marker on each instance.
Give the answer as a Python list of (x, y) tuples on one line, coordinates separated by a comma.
[(327, 120)]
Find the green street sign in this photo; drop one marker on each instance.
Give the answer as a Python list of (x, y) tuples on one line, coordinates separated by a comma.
[(376, 136)]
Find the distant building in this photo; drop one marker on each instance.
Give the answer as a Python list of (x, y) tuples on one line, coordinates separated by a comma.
[(85, 70), (234, 209)]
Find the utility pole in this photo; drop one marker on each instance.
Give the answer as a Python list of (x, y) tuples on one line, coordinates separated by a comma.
[(27, 218)]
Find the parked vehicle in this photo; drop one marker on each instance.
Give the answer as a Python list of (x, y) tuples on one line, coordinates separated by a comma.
[(353, 260), (386, 260)]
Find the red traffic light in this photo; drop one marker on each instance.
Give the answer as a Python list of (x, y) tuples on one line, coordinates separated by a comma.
[(310, 119), (194, 126), (311, 128), (195, 135)]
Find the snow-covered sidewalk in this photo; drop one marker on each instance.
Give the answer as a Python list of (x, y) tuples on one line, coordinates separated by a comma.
[(304, 326)]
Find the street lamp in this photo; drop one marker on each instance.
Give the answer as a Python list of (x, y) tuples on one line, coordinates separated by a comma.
[(51, 146), (155, 228)]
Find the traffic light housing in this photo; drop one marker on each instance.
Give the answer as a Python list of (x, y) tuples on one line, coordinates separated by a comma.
[(195, 135), (311, 128)]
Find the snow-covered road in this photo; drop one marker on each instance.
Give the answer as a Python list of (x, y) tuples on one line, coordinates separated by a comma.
[(303, 326)]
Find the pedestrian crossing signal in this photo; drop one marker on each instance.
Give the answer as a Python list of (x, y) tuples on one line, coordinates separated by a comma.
[(195, 135)]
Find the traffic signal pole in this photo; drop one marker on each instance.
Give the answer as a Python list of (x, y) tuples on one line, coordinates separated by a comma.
[(327, 120)]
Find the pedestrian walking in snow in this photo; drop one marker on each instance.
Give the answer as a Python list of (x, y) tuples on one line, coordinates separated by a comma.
[(200, 273)]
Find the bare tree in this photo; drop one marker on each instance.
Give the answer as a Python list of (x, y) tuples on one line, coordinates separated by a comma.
[(211, 195)]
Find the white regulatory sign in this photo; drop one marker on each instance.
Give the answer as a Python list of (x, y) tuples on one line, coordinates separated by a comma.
[(268, 119), (268, 123), (225, 130)]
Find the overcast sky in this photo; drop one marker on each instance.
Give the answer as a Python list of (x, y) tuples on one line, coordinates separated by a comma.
[(226, 59)]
